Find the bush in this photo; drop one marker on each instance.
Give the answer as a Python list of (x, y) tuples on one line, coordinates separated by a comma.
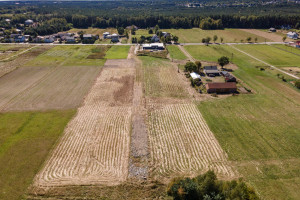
[(207, 186), (297, 84), (190, 67)]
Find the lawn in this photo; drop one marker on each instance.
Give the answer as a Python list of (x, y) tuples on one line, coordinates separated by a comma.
[(95, 31), (260, 131), (195, 35), (140, 32), (272, 55), (70, 56), (207, 53), (175, 52), (118, 52), (25, 141)]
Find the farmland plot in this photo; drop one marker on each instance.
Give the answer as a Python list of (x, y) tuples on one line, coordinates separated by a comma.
[(62, 88), (95, 145), (182, 144)]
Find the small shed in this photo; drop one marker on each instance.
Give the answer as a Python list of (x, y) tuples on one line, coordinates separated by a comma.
[(211, 70), (195, 76), (227, 87), (272, 30)]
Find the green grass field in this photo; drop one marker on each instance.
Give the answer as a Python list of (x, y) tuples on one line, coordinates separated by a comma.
[(260, 131), (118, 52), (175, 52), (140, 32), (69, 56), (25, 141), (272, 55), (95, 31), (195, 35)]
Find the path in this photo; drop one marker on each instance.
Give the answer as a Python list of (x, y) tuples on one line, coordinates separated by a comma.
[(289, 74), (8, 58), (187, 54)]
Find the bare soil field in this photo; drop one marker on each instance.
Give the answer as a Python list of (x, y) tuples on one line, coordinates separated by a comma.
[(182, 144), (17, 81), (61, 88), (18, 61), (271, 36), (95, 146)]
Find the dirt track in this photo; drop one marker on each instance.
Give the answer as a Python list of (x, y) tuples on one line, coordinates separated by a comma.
[(95, 146)]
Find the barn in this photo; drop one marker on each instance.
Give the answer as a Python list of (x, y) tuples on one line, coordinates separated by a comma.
[(227, 87)]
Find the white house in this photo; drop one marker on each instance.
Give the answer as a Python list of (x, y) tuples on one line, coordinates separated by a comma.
[(153, 46), (292, 35), (28, 22), (105, 35), (115, 37), (195, 76)]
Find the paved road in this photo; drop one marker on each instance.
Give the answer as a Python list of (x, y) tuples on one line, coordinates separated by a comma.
[(233, 43), (282, 71)]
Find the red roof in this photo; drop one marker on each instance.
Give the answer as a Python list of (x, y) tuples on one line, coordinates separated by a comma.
[(227, 85)]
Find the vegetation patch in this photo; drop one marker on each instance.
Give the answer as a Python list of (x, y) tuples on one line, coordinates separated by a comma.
[(26, 138), (155, 54), (118, 52), (175, 52)]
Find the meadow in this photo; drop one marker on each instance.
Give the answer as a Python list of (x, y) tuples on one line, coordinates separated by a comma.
[(26, 138), (175, 52), (118, 52), (94, 31), (272, 55), (259, 131), (195, 35)]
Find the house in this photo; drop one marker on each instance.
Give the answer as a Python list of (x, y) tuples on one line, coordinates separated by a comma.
[(49, 39), (70, 39), (105, 35), (89, 36), (292, 35), (16, 38), (228, 77), (7, 20), (115, 37), (28, 22), (166, 34), (195, 76), (272, 30), (211, 71), (132, 27), (153, 46), (295, 44), (18, 31), (38, 39), (228, 87), (155, 38)]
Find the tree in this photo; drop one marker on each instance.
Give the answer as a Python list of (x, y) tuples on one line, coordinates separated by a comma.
[(133, 31), (156, 28), (215, 38), (242, 41), (255, 39), (223, 61), (126, 34), (150, 31), (199, 65), (297, 84), (221, 39), (190, 67), (175, 38), (249, 39), (208, 39), (283, 38), (121, 30), (203, 40)]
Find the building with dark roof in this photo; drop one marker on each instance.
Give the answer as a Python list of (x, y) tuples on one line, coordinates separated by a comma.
[(211, 71), (227, 87)]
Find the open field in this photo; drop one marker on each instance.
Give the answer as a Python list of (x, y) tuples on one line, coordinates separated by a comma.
[(46, 88), (25, 140), (95, 31), (95, 146), (175, 52), (20, 60), (259, 131), (182, 144), (161, 78), (140, 32), (275, 37), (70, 56), (10, 50), (195, 35), (117, 52), (272, 55)]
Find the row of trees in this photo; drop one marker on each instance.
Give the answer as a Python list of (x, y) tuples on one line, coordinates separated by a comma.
[(198, 68)]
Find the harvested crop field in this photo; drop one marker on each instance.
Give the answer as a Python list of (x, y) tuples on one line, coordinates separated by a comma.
[(271, 36), (95, 145), (182, 144), (60, 88)]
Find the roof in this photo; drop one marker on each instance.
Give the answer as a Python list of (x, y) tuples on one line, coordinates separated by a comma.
[(106, 33), (210, 67), (87, 35), (114, 35), (195, 75), (226, 85), (292, 33), (154, 45), (29, 21), (70, 38)]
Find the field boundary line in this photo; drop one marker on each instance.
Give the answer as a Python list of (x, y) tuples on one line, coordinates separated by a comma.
[(296, 77), (20, 53), (285, 50), (187, 54)]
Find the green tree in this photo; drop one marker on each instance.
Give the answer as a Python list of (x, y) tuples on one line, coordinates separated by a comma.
[(133, 31), (283, 38), (175, 38), (203, 40), (199, 66), (215, 38), (121, 30), (190, 67), (150, 31), (156, 28), (223, 61), (208, 39), (249, 39), (221, 38)]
